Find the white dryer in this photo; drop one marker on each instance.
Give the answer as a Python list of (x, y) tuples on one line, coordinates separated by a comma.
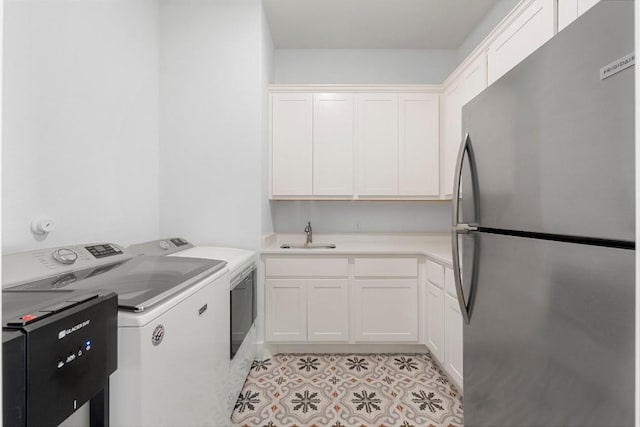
[(241, 311)]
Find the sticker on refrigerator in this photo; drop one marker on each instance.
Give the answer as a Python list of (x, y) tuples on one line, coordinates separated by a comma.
[(617, 66)]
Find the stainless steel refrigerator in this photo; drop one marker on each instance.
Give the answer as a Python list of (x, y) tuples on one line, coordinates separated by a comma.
[(543, 233)]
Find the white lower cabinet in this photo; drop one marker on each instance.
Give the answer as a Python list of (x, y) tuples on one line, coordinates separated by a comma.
[(444, 320), (286, 317), (307, 310), (365, 300), (435, 320), (328, 310), (341, 300), (385, 310), (307, 299), (453, 339)]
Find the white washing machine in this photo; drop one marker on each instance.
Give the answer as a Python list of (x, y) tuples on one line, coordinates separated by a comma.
[(173, 329), (242, 309)]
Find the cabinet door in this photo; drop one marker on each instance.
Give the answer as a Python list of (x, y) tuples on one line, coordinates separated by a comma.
[(435, 274), (451, 137), (526, 33), (453, 339), (435, 321), (385, 310), (377, 134), (419, 139), (567, 12), (286, 310), (449, 282), (584, 5), (328, 309), (291, 144), (333, 134)]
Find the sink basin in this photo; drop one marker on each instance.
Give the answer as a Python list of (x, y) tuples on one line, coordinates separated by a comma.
[(309, 246)]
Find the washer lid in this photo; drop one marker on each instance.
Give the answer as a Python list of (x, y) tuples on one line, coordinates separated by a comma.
[(144, 281)]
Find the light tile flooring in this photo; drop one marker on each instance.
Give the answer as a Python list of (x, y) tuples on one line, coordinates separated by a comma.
[(345, 390)]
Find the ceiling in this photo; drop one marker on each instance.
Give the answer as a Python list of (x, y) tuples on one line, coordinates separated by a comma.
[(373, 24)]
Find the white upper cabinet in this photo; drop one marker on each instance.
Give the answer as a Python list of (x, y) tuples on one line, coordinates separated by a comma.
[(333, 134), (532, 28), (378, 144), (569, 10), (396, 142), (451, 134), (419, 137), (471, 80), (584, 5), (350, 145), (291, 144)]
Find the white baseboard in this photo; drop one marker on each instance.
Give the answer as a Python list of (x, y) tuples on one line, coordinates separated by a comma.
[(271, 349)]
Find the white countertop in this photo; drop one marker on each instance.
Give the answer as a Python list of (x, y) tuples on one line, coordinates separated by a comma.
[(433, 245)]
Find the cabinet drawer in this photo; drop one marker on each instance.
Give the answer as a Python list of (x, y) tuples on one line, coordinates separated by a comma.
[(306, 267), (386, 267), (435, 274)]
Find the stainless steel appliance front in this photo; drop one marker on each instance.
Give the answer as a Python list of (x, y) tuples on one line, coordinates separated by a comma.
[(545, 228)]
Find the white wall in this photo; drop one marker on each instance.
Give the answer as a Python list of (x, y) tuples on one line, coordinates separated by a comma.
[(211, 127), (362, 66), (267, 77), (80, 121), (366, 217)]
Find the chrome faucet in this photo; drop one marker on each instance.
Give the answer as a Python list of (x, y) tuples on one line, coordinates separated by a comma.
[(309, 232)]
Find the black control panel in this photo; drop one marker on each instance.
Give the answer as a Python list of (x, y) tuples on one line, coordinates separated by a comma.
[(101, 251), (35, 315), (70, 351)]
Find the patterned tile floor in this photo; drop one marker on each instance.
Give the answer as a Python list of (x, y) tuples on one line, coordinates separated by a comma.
[(348, 390)]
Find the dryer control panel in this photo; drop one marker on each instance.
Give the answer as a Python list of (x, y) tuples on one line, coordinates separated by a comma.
[(25, 267), (160, 247)]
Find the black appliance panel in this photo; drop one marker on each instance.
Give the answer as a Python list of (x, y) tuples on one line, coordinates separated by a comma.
[(69, 354), (243, 309), (14, 378)]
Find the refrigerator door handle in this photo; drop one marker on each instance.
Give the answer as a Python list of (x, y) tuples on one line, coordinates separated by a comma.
[(460, 228), (464, 228)]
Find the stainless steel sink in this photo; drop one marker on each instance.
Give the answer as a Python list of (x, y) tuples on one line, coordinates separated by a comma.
[(309, 246)]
